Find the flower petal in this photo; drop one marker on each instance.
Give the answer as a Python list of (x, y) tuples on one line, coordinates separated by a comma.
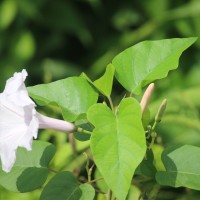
[(18, 120), (16, 90)]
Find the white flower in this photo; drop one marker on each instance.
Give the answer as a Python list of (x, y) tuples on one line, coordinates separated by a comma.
[(19, 121)]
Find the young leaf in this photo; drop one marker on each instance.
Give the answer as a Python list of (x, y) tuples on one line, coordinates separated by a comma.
[(74, 95), (62, 186), (104, 83), (147, 61), (30, 170), (118, 143), (182, 167)]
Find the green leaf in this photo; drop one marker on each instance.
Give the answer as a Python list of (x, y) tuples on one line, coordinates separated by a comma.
[(83, 123), (62, 186), (134, 193), (182, 167), (100, 183), (146, 167), (104, 83), (118, 143), (30, 170), (148, 61), (74, 95), (88, 192)]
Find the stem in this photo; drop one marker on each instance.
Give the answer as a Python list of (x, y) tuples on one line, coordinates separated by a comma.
[(89, 170), (109, 196), (73, 143), (90, 174), (95, 180), (111, 103), (152, 143), (81, 130), (154, 126), (52, 170)]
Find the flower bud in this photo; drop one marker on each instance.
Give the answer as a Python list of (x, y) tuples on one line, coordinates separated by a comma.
[(153, 134), (161, 111)]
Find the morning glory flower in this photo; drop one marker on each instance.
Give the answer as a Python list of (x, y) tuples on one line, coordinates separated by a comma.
[(19, 120)]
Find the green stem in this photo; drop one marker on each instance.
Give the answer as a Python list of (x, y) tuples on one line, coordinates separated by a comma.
[(89, 170), (154, 126), (152, 143), (109, 196), (111, 103), (90, 173), (52, 170), (72, 143), (95, 180), (81, 130)]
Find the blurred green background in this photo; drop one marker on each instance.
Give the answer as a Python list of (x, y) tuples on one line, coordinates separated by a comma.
[(57, 39)]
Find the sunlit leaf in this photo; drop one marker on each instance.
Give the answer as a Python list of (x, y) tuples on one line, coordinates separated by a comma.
[(104, 83), (148, 61), (74, 95), (118, 143)]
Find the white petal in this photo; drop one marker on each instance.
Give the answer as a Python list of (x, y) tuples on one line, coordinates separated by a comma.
[(16, 90), (16, 82), (8, 157), (18, 120)]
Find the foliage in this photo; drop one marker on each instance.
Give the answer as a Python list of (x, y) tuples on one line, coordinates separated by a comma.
[(121, 147), (90, 34)]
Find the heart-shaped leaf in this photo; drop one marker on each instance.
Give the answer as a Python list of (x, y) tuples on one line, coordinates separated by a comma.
[(30, 169), (74, 95), (148, 61), (118, 143), (182, 165)]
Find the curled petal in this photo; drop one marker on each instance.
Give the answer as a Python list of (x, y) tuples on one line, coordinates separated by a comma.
[(18, 120)]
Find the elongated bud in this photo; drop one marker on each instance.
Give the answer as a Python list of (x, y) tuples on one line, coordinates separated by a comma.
[(161, 111), (146, 97)]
